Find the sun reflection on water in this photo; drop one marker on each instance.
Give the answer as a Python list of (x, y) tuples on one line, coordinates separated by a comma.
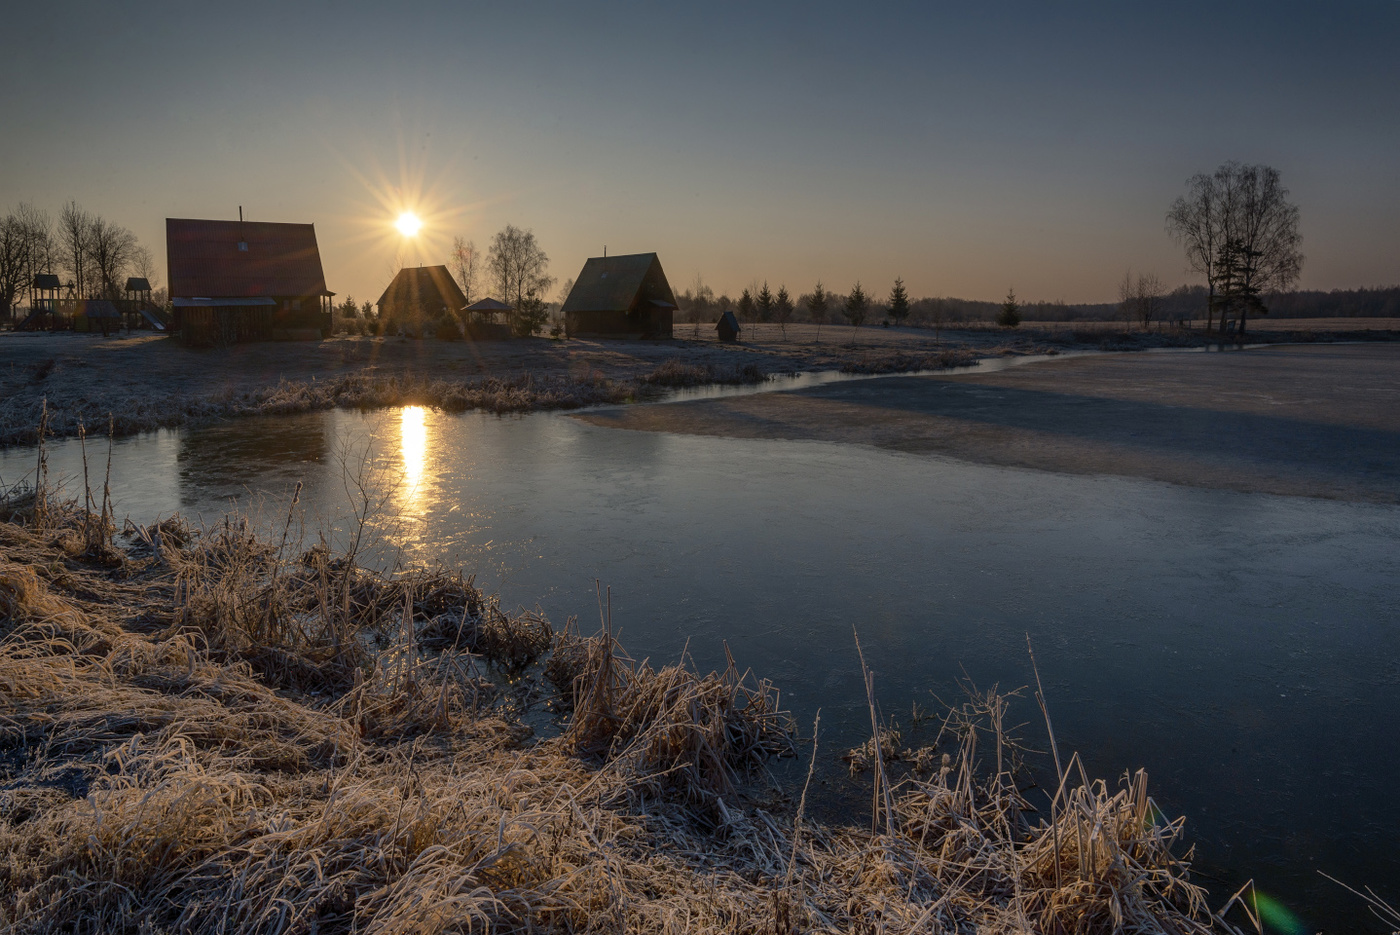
[(414, 445)]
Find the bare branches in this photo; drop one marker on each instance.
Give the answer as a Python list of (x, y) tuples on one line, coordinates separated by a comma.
[(466, 267), (1240, 231), (1140, 300)]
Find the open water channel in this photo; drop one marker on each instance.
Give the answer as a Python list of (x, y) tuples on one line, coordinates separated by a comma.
[(1243, 648)]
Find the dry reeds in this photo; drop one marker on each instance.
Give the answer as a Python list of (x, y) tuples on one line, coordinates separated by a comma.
[(230, 733), (678, 373)]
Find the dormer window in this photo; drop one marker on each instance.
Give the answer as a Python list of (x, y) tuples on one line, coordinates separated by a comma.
[(243, 246)]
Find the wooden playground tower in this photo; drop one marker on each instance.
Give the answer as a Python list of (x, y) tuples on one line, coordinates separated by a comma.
[(50, 309)]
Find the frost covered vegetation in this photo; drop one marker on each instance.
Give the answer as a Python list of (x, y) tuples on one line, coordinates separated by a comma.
[(221, 730), (140, 412)]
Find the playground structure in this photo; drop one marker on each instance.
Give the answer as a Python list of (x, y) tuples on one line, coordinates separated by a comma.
[(51, 310)]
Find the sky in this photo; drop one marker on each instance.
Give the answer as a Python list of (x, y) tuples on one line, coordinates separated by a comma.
[(967, 148)]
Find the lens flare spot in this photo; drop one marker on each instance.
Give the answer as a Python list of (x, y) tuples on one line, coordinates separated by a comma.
[(1275, 915)]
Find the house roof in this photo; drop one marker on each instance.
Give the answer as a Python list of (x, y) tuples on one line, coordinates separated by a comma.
[(487, 305), (611, 283), (728, 320), (218, 259), (429, 289)]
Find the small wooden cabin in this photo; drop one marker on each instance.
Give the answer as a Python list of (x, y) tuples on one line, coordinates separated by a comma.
[(620, 297), (234, 281), (418, 300), (728, 327)]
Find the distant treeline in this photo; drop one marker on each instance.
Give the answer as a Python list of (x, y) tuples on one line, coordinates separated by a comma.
[(1182, 303)]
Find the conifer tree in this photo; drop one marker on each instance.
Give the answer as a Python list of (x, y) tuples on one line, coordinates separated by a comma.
[(764, 303), (899, 302), (782, 309), (746, 306), (1010, 315), (856, 306), (817, 304)]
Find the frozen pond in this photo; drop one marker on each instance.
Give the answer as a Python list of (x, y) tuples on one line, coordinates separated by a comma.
[(1242, 648)]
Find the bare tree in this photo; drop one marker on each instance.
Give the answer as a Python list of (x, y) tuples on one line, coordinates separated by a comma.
[(14, 262), (1238, 224), (43, 246), (1140, 299), (466, 267), (938, 314), (700, 299), (1127, 298), (517, 265), (1263, 234), (112, 249), (74, 235)]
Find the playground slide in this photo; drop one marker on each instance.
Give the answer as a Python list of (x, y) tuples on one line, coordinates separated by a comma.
[(156, 323)]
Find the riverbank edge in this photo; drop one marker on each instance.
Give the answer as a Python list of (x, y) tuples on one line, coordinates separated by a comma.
[(206, 725), (66, 412)]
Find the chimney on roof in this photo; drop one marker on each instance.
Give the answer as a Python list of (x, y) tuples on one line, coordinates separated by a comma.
[(242, 242)]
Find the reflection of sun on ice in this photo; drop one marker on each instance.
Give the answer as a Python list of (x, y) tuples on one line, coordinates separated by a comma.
[(408, 224), (415, 446)]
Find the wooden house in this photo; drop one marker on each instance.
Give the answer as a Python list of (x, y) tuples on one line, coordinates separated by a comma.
[(419, 299), (236, 281), (620, 297)]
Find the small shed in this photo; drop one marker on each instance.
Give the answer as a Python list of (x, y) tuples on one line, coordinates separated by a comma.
[(620, 297), (487, 320), (728, 327), (421, 297)]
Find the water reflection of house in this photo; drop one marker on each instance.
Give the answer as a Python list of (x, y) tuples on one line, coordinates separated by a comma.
[(620, 297), (246, 281), (422, 299)]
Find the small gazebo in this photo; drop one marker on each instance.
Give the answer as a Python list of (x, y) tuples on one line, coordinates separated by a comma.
[(487, 320)]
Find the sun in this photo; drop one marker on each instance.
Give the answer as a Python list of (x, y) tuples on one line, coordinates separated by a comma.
[(408, 224)]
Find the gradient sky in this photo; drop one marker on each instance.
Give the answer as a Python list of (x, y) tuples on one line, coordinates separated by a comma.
[(966, 147)]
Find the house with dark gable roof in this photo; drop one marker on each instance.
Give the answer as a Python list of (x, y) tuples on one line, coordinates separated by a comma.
[(421, 296), (620, 297), (236, 281)]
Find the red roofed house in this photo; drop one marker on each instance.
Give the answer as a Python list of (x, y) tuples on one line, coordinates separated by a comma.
[(246, 281)]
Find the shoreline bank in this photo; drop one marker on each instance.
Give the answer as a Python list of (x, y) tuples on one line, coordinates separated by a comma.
[(144, 383), (1295, 420)]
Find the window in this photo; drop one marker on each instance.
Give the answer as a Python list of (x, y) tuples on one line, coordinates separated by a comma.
[(243, 246)]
